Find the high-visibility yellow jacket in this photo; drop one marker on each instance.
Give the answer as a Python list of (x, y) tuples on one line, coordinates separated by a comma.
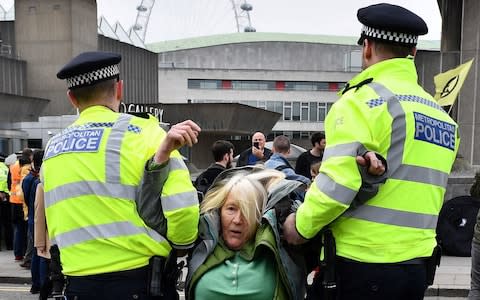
[(383, 109), (3, 178), (91, 173)]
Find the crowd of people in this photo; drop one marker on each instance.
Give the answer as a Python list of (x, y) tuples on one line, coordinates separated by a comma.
[(125, 207)]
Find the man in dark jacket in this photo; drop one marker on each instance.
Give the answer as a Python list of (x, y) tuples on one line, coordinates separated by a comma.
[(257, 153), (223, 155), (307, 158)]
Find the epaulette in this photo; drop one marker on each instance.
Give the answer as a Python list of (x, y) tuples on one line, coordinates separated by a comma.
[(357, 86)]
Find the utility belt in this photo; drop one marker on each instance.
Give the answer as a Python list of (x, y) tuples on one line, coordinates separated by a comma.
[(328, 286), (164, 275)]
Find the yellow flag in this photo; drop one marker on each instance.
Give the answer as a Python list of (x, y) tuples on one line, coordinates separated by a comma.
[(448, 84)]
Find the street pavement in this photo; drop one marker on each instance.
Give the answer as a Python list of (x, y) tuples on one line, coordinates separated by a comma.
[(452, 279)]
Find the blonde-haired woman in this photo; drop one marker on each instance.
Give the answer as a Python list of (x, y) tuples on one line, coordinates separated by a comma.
[(239, 254)]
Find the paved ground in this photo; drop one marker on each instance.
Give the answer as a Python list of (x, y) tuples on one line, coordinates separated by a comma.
[(452, 280)]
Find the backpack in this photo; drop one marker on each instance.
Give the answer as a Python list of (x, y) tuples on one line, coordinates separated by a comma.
[(203, 183), (456, 223)]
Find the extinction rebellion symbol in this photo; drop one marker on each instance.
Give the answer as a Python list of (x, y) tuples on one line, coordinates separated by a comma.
[(450, 86)]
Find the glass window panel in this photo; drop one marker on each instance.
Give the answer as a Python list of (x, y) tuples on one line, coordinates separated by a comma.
[(322, 111), (193, 83), (210, 84), (304, 111), (355, 61), (322, 86), (278, 107), (329, 106), (313, 111), (287, 111), (271, 105), (296, 111)]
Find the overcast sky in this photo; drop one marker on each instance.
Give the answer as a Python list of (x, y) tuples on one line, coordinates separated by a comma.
[(176, 19)]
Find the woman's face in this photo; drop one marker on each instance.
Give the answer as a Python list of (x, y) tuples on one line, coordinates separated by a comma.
[(235, 230)]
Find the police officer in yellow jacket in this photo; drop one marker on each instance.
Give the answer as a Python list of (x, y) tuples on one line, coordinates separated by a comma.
[(382, 245), (91, 173)]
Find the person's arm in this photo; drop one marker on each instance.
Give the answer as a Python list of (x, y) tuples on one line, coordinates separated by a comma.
[(339, 179), (166, 176), (40, 237), (26, 188)]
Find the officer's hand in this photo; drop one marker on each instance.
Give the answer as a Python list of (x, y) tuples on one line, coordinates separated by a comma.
[(375, 165), (290, 233), (181, 134)]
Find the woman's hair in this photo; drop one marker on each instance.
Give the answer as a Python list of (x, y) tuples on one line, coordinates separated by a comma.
[(248, 189)]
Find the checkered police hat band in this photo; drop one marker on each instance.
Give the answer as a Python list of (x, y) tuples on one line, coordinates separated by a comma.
[(92, 77), (385, 35)]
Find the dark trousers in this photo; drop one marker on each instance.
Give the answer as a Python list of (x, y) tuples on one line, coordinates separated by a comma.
[(129, 285), (381, 281), (6, 228), (38, 269), (19, 230)]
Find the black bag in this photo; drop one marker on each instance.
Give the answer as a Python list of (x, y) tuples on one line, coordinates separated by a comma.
[(205, 180), (456, 223)]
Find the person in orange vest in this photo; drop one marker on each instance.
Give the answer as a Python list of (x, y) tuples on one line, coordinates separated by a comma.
[(18, 171)]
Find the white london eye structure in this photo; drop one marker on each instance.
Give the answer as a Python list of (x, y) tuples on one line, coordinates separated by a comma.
[(220, 16)]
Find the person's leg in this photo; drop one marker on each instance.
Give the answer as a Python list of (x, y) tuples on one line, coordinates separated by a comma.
[(35, 271), (8, 227), (474, 293), (18, 228), (28, 253), (42, 269)]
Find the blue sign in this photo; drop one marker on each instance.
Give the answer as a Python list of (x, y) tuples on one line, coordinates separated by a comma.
[(434, 131), (75, 141)]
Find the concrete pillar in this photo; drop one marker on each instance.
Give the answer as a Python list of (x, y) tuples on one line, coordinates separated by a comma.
[(460, 43), (468, 102), (48, 34)]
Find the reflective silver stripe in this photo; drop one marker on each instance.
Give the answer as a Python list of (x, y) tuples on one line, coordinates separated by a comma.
[(393, 217), (181, 200), (396, 169), (334, 190), (398, 136), (177, 163), (349, 149), (112, 153), (103, 231), (82, 188), (421, 174)]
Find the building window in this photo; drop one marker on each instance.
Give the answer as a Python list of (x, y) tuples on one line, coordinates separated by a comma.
[(354, 61), (313, 111), (264, 85), (296, 111), (322, 111), (304, 111), (287, 111)]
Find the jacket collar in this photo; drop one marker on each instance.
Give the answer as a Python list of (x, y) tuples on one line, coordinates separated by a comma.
[(403, 68)]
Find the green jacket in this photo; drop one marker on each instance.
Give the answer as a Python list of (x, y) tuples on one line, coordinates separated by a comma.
[(210, 252), (264, 240)]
